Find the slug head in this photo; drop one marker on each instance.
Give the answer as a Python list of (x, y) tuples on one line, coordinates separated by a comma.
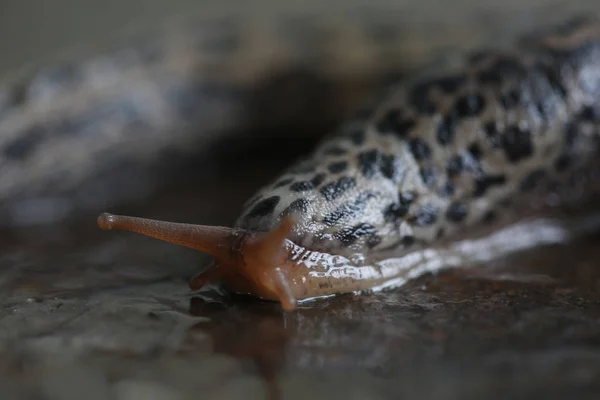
[(256, 263)]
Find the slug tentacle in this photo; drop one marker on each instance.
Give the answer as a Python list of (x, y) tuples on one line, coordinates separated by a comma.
[(250, 262), (269, 254), (214, 240), (283, 290), (210, 274)]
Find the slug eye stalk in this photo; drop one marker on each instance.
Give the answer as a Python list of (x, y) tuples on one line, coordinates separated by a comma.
[(257, 263)]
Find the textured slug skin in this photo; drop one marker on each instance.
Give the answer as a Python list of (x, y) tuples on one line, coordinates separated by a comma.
[(436, 160), (438, 156)]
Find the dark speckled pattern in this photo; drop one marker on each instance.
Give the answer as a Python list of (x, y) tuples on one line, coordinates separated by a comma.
[(441, 154)]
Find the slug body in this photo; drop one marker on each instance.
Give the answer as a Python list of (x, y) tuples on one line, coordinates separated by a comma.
[(435, 162)]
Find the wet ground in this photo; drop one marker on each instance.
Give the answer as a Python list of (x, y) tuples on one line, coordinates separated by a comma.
[(108, 315)]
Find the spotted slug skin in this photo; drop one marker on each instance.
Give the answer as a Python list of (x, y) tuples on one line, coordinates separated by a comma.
[(438, 157)]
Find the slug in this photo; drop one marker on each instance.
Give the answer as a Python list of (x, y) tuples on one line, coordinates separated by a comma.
[(442, 171)]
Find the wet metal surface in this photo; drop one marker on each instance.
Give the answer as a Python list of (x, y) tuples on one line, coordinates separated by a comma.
[(112, 311)]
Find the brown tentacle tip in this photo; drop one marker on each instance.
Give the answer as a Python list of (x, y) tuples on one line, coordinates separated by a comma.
[(284, 291), (211, 273), (106, 221)]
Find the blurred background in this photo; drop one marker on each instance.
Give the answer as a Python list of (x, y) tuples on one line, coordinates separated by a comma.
[(181, 110)]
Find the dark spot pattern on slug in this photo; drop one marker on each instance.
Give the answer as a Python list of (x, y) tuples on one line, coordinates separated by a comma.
[(471, 162), (396, 211), (450, 84), (337, 167), (372, 162), (333, 190), (589, 114), (491, 129), (466, 162), (506, 202), (308, 185), (419, 98), (367, 161), (299, 206), (447, 84), (504, 68), (447, 190), (572, 132), (425, 215), (517, 144), (532, 180), (264, 207), (356, 135), (283, 182), (24, 144), (455, 165), (429, 176), (489, 216), (563, 162), (420, 149), (349, 235), (440, 233), (408, 240), (469, 106), (446, 129), (348, 210), (511, 99), (419, 95), (456, 212), (475, 151), (484, 182), (554, 79), (387, 166), (393, 122), (318, 179)]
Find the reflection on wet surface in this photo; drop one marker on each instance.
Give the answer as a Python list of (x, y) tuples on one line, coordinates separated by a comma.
[(84, 307)]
